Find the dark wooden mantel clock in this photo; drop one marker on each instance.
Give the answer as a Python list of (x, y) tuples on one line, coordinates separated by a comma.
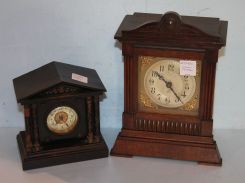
[(169, 78), (62, 120)]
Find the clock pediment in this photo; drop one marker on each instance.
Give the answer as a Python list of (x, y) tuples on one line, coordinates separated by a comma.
[(172, 28), (56, 78)]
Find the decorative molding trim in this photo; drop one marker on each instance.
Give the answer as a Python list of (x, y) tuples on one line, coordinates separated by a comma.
[(60, 89), (165, 126)]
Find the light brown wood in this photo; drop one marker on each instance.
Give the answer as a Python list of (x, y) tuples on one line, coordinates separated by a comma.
[(165, 134)]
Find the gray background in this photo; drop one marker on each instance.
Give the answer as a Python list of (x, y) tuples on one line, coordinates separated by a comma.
[(33, 33)]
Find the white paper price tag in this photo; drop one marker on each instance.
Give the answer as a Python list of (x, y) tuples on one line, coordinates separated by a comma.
[(188, 67), (79, 78)]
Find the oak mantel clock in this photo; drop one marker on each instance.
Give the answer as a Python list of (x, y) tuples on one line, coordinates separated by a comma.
[(169, 78), (61, 109)]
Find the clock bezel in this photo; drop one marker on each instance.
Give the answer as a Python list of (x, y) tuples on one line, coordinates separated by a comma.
[(146, 104), (55, 131), (181, 53), (79, 132)]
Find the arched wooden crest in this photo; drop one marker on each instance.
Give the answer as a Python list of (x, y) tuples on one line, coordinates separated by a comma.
[(171, 28)]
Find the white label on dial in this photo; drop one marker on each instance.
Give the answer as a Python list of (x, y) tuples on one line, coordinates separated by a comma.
[(188, 67), (80, 78)]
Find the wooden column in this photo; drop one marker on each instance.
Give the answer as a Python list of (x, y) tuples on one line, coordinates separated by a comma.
[(208, 80), (28, 140), (90, 120), (97, 118), (130, 81), (35, 128)]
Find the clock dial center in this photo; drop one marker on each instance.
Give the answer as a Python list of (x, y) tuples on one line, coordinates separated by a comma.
[(61, 117)]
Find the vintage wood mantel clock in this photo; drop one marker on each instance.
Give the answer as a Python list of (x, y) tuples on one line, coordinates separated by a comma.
[(169, 78), (61, 109)]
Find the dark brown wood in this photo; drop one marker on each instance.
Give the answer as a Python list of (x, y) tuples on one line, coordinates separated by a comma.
[(28, 85), (90, 114), (57, 156), (166, 135), (35, 128), (45, 89), (172, 30), (28, 140), (97, 118)]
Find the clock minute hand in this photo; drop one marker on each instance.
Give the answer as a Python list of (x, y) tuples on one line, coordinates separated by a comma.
[(176, 95), (168, 85)]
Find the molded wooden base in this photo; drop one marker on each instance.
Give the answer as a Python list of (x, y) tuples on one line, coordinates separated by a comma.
[(58, 156), (181, 147)]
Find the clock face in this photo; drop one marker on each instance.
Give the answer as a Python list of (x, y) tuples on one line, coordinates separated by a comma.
[(166, 87), (62, 120), (163, 89)]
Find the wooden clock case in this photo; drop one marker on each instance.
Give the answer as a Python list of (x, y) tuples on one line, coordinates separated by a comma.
[(179, 137), (51, 86)]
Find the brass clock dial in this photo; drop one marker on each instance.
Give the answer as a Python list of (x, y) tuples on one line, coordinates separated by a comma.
[(166, 87), (162, 89), (62, 120)]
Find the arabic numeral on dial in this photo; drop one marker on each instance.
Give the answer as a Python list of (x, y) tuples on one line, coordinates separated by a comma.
[(153, 90), (177, 100), (153, 74), (159, 96), (185, 77), (161, 68), (187, 87), (151, 81), (183, 94), (167, 100), (170, 67)]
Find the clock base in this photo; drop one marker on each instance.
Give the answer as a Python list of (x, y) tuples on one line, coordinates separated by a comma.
[(56, 156), (181, 147)]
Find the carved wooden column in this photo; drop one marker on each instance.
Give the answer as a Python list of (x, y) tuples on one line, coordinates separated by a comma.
[(130, 95), (28, 140), (90, 119), (97, 118), (35, 128)]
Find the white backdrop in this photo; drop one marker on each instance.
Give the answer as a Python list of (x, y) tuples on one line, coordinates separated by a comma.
[(33, 33)]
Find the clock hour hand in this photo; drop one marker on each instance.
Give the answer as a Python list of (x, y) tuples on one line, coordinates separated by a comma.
[(176, 95), (168, 85)]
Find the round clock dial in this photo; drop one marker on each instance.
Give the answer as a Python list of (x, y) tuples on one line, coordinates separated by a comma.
[(62, 120), (166, 87)]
